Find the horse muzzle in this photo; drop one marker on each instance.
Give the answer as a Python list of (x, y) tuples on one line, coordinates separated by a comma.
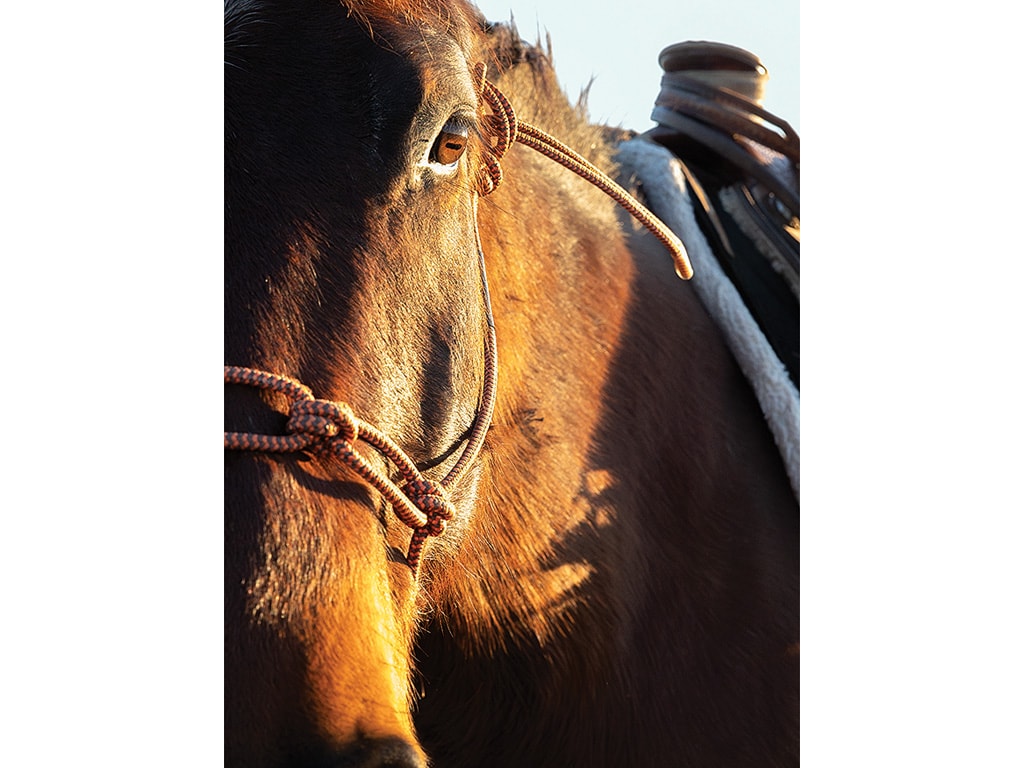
[(389, 752)]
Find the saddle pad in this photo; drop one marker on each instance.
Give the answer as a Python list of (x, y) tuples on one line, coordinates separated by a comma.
[(662, 178)]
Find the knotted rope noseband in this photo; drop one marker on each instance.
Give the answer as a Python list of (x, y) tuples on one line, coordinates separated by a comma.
[(324, 427), (328, 428)]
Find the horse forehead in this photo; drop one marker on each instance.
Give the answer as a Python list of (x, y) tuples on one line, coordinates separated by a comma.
[(440, 54), (443, 64), (458, 19)]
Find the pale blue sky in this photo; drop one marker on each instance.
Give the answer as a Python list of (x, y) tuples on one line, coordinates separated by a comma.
[(617, 43)]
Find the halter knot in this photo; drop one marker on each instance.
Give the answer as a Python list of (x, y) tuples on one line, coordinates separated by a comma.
[(431, 499), (499, 128), (323, 419)]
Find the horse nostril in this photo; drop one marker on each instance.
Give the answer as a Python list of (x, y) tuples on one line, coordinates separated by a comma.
[(394, 754), (382, 753)]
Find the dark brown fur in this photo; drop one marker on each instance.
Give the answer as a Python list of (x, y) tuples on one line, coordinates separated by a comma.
[(620, 584)]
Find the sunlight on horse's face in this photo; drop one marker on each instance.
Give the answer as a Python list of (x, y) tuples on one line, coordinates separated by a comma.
[(351, 265)]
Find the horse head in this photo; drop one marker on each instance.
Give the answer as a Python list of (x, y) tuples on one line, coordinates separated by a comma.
[(351, 266)]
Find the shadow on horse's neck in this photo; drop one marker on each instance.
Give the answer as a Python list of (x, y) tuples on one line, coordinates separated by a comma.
[(595, 568)]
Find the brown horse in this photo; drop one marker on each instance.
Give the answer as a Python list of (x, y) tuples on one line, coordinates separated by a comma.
[(604, 571)]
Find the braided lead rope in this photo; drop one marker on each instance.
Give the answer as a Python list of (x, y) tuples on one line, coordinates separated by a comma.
[(324, 426), (504, 128)]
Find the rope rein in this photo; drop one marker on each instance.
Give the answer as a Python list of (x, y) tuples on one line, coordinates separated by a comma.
[(504, 129), (328, 428)]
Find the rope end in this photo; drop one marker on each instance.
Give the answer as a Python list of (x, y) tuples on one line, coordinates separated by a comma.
[(683, 269), (682, 260)]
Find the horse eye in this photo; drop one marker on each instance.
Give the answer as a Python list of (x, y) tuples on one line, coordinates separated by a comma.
[(450, 144)]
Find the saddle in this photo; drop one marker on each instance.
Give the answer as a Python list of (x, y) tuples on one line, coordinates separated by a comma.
[(742, 167)]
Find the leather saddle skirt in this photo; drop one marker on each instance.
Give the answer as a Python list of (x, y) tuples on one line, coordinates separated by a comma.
[(742, 165)]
